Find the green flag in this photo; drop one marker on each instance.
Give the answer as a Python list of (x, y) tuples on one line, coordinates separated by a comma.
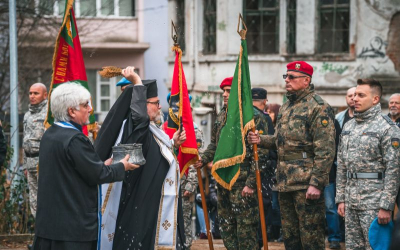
[(231, 149)]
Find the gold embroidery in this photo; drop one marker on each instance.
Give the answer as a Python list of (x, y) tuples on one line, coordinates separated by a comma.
[(169, 181), (166, 224), (111, 237)]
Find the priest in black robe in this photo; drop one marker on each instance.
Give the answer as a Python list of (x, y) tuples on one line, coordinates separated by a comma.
[(70, 171), (150, 213)]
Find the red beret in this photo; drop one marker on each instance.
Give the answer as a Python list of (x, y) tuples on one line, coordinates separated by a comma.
[(300, 66), (226, 82)]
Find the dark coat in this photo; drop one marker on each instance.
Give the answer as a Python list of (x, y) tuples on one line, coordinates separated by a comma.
[(70, 171)]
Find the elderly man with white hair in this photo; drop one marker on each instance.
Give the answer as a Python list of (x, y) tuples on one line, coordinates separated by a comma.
[(70, 172)]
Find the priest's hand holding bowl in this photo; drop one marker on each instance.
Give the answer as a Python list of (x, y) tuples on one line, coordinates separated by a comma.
[(130, 74), (128, 166)]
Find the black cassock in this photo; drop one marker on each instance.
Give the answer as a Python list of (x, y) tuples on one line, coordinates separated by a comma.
[(141, 189)]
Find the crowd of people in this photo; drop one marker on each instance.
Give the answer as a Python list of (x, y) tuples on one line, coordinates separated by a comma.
[(321, 174)]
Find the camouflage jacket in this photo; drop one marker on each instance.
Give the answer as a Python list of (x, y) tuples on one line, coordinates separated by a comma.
[(247, 169), (305, 140), (189, 182), (33, 127), (369, 144)]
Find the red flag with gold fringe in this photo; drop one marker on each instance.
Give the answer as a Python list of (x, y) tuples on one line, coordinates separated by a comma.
[(180, 114), (68, 64)]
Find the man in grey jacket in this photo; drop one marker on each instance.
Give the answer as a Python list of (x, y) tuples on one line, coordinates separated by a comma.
[(368, 175)]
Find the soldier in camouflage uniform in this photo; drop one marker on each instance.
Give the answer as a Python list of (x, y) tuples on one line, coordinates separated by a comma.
[(238, 213), (188, 187), (305, 140), (33, 132), (368, 166)]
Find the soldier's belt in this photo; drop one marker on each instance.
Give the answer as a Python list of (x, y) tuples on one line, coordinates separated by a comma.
[(378, 176), (31, 155), (295, 156)]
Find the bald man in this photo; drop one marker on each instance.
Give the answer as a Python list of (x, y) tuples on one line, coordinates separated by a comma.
[(347, 115), (33, 132)]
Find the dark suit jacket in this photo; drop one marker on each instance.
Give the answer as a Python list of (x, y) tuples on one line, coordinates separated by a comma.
[(70, 171)]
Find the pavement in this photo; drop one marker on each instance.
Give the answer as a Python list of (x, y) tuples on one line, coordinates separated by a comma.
[(197, 245), (218, 245)]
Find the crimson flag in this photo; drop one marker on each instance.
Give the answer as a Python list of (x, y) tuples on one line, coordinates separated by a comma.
[(180, 114)]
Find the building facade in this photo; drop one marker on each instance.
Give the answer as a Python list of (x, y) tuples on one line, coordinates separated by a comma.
[(342, 39), (111, 33)]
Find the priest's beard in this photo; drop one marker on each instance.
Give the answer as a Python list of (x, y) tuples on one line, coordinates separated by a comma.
[(159, 119)]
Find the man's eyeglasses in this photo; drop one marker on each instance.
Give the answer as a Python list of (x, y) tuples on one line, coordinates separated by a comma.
[(291, 77), (156, 103)]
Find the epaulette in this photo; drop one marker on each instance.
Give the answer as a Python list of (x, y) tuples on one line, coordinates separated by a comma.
[(387, 118), (318, 99)]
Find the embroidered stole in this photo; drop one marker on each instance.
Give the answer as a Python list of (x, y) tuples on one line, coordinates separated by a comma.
[(110, 200), (166, 236)]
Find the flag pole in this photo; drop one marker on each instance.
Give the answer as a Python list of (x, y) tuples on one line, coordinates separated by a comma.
[(242, 33), (174, 36)]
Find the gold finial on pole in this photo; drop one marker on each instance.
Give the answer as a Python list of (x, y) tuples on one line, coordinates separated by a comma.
[(174, 36), (241, 32)]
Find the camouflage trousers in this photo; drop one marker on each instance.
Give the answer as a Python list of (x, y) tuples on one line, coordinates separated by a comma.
[(303, 221), (33, 188), (238, 218), (187, 207), (357, 223)]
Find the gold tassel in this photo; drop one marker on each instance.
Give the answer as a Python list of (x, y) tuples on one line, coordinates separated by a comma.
[(110, 71)]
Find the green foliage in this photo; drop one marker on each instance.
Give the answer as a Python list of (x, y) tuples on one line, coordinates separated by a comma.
[(14, 200)]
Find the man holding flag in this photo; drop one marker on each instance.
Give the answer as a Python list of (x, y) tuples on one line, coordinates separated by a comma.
[(238, 211), (305, 140)]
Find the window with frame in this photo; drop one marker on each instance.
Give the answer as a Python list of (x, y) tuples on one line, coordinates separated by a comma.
[(291, 26), (98, 8), (262, 21), (180, 24), (334, 16), (209, 27)]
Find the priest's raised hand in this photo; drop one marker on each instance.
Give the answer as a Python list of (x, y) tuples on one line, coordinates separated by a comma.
[(130, 74)]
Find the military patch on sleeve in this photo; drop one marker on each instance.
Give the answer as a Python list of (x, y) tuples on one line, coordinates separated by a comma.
[(324, 121), (395, 143)]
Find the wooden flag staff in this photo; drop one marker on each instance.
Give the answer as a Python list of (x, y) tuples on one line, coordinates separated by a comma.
[(242, 33)]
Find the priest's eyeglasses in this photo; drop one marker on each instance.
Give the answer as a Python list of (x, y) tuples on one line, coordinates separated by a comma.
[(291, 77), (156, 103)]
